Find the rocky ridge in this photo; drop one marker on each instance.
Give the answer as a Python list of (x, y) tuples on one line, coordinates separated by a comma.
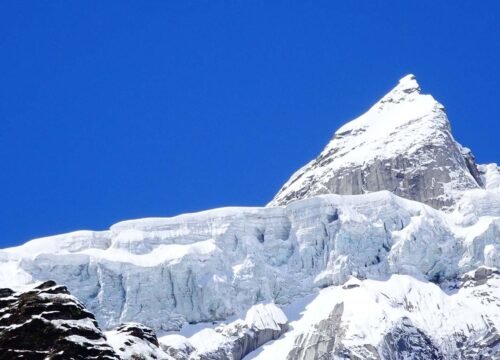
[(377, 272), (397, 318), (46, 322), (402, 144)]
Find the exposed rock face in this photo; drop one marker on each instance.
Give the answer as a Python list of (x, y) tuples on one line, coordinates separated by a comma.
[(403, 144), (139, 331), (405, 341), (262, 324), (48, 323), (326, 341), (208, 266), (133, 341), (480, 276), (377, 276), (399, 318), (178, 347), (484, 344), (322, 342)]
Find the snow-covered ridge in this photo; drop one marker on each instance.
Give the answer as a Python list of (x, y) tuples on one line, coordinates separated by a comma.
[(371, 250), (399, 318), (490, 175), (261, 324), (402, 144), (215, 264)]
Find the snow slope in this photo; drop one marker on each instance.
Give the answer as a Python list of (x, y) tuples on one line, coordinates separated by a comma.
[(410, 239), (367, 319), (134, 341), (261, 324), (215, 264), (403, 144)]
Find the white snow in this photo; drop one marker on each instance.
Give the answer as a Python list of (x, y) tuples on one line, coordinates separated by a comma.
[(216, 267), (261, 267), (130, 347), (404, 122), (490, 176), (267, 316), (391, 114), (371, 308), (209, 339)]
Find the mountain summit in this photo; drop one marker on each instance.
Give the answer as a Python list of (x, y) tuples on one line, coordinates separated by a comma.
[(402, 144), (370, 276)]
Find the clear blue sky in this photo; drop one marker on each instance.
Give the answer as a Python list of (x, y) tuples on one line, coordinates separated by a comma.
[(111, 110)]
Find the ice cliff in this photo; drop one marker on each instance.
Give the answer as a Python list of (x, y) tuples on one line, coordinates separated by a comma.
[(383, 229)]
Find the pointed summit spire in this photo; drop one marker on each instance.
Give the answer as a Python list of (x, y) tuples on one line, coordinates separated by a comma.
[(402, 144), (406, 86)]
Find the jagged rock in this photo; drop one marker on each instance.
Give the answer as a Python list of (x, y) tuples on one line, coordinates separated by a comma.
[(210, 266), (403, 144), (484, 345), (322, 341), (48, 323), (479, 276), (139, 331), (399, 318), (133, 341), (325, 341), (405, 341), (6, 293)]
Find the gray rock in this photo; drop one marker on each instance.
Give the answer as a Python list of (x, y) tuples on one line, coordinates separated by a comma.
[(479, 276), (484, 345), (242, 341), (323, 341), (403, 144), (263, 323), (405, 341)]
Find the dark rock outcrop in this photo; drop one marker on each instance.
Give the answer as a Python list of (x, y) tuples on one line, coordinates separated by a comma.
[(134, 341), (139, 331), (405, 341), (480, 276), (484, 345), (47, 322)]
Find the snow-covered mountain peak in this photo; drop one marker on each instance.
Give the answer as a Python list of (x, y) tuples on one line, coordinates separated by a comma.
[(406, 86), (364, 275), (388, 119), (403, 144)]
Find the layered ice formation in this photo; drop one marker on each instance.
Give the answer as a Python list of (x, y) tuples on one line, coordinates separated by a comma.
[(389, 242)]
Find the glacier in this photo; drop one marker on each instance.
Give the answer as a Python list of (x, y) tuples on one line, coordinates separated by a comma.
[(370, 250), (215, 264)]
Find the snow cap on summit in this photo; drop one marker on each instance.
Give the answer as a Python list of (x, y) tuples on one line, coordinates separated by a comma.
[(408, 83), (403, 144), (406, 86)]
